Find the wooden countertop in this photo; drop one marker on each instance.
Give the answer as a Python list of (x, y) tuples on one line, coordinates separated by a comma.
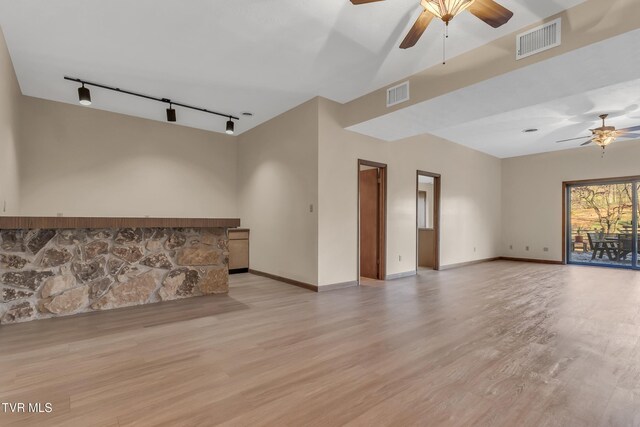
[(24, 222)]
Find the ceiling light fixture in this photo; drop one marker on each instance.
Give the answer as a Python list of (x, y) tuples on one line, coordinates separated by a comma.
[(604, 137), (84, 94), (85, 99), (171, 113), (446, 9)]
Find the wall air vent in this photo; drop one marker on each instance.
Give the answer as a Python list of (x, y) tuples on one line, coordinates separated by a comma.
[(539, 39), (398, 94)]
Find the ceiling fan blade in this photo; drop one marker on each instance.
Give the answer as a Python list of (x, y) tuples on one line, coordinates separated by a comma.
[(491, 12), (573, 139), (586, 143), (364, 1), (631, 129), (629, 135), (416, 31)]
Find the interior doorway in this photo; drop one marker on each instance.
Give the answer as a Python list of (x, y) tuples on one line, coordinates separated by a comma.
[(427, 221), (372, 202)]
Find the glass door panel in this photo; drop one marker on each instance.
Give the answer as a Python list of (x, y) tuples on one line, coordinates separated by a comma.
[(601, 224), (636, 233)]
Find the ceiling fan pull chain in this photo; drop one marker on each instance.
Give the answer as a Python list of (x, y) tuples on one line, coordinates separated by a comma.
[(444, 45)]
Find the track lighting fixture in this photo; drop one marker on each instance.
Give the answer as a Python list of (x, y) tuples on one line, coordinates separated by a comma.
[(85, 99), (171, 113), (84, 94)]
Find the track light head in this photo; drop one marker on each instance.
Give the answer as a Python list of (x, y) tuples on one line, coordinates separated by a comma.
[(171, 114), (230, 127), (84, 95)]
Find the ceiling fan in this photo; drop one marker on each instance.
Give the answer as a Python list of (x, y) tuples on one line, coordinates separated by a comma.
[(487, 10), (605, 135)]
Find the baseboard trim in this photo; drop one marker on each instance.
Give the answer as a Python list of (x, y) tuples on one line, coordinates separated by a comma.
[(400, 275), (297, 283), (308, 286), (536, 261), (343, 285), (336, 286), (468, 263)]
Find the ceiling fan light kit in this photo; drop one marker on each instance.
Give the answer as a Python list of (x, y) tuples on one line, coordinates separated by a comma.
[(488, 11), (604, 137), (446, 9)]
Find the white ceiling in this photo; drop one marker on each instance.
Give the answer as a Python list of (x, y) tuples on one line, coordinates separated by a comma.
[(263, 56), (561, 96)]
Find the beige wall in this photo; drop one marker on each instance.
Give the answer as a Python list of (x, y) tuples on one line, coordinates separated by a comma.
[(81, 161), (9, 128), (470, 211), (305, 157), (532, 193), (277, 182)]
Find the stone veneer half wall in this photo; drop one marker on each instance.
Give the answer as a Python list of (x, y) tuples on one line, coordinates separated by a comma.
[(48, 273)]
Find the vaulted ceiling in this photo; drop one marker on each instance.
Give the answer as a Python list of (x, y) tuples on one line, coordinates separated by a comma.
[(261, 56)]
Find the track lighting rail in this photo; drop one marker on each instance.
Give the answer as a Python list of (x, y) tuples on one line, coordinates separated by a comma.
[(153, 98)]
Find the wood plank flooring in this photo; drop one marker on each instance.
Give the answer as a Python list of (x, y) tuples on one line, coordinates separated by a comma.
[(500, 344)]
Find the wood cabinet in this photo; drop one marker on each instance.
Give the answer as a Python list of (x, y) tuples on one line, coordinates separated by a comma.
[(238, 250)]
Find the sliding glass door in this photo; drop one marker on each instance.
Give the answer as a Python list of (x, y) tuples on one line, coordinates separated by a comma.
[(636, 203), (602, 223)]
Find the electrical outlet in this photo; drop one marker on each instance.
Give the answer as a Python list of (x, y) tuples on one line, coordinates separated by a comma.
[(511, 247), (311, 208), (546, 249), (59, 214), (526, 248)]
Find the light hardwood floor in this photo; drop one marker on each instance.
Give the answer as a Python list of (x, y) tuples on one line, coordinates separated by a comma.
[(500, 343)]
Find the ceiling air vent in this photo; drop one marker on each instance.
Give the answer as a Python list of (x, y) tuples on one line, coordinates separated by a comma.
[(539, 39), (398, 94)]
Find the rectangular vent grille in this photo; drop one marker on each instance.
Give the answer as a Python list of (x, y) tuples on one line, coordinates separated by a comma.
[(539, 39), (398, 94)]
